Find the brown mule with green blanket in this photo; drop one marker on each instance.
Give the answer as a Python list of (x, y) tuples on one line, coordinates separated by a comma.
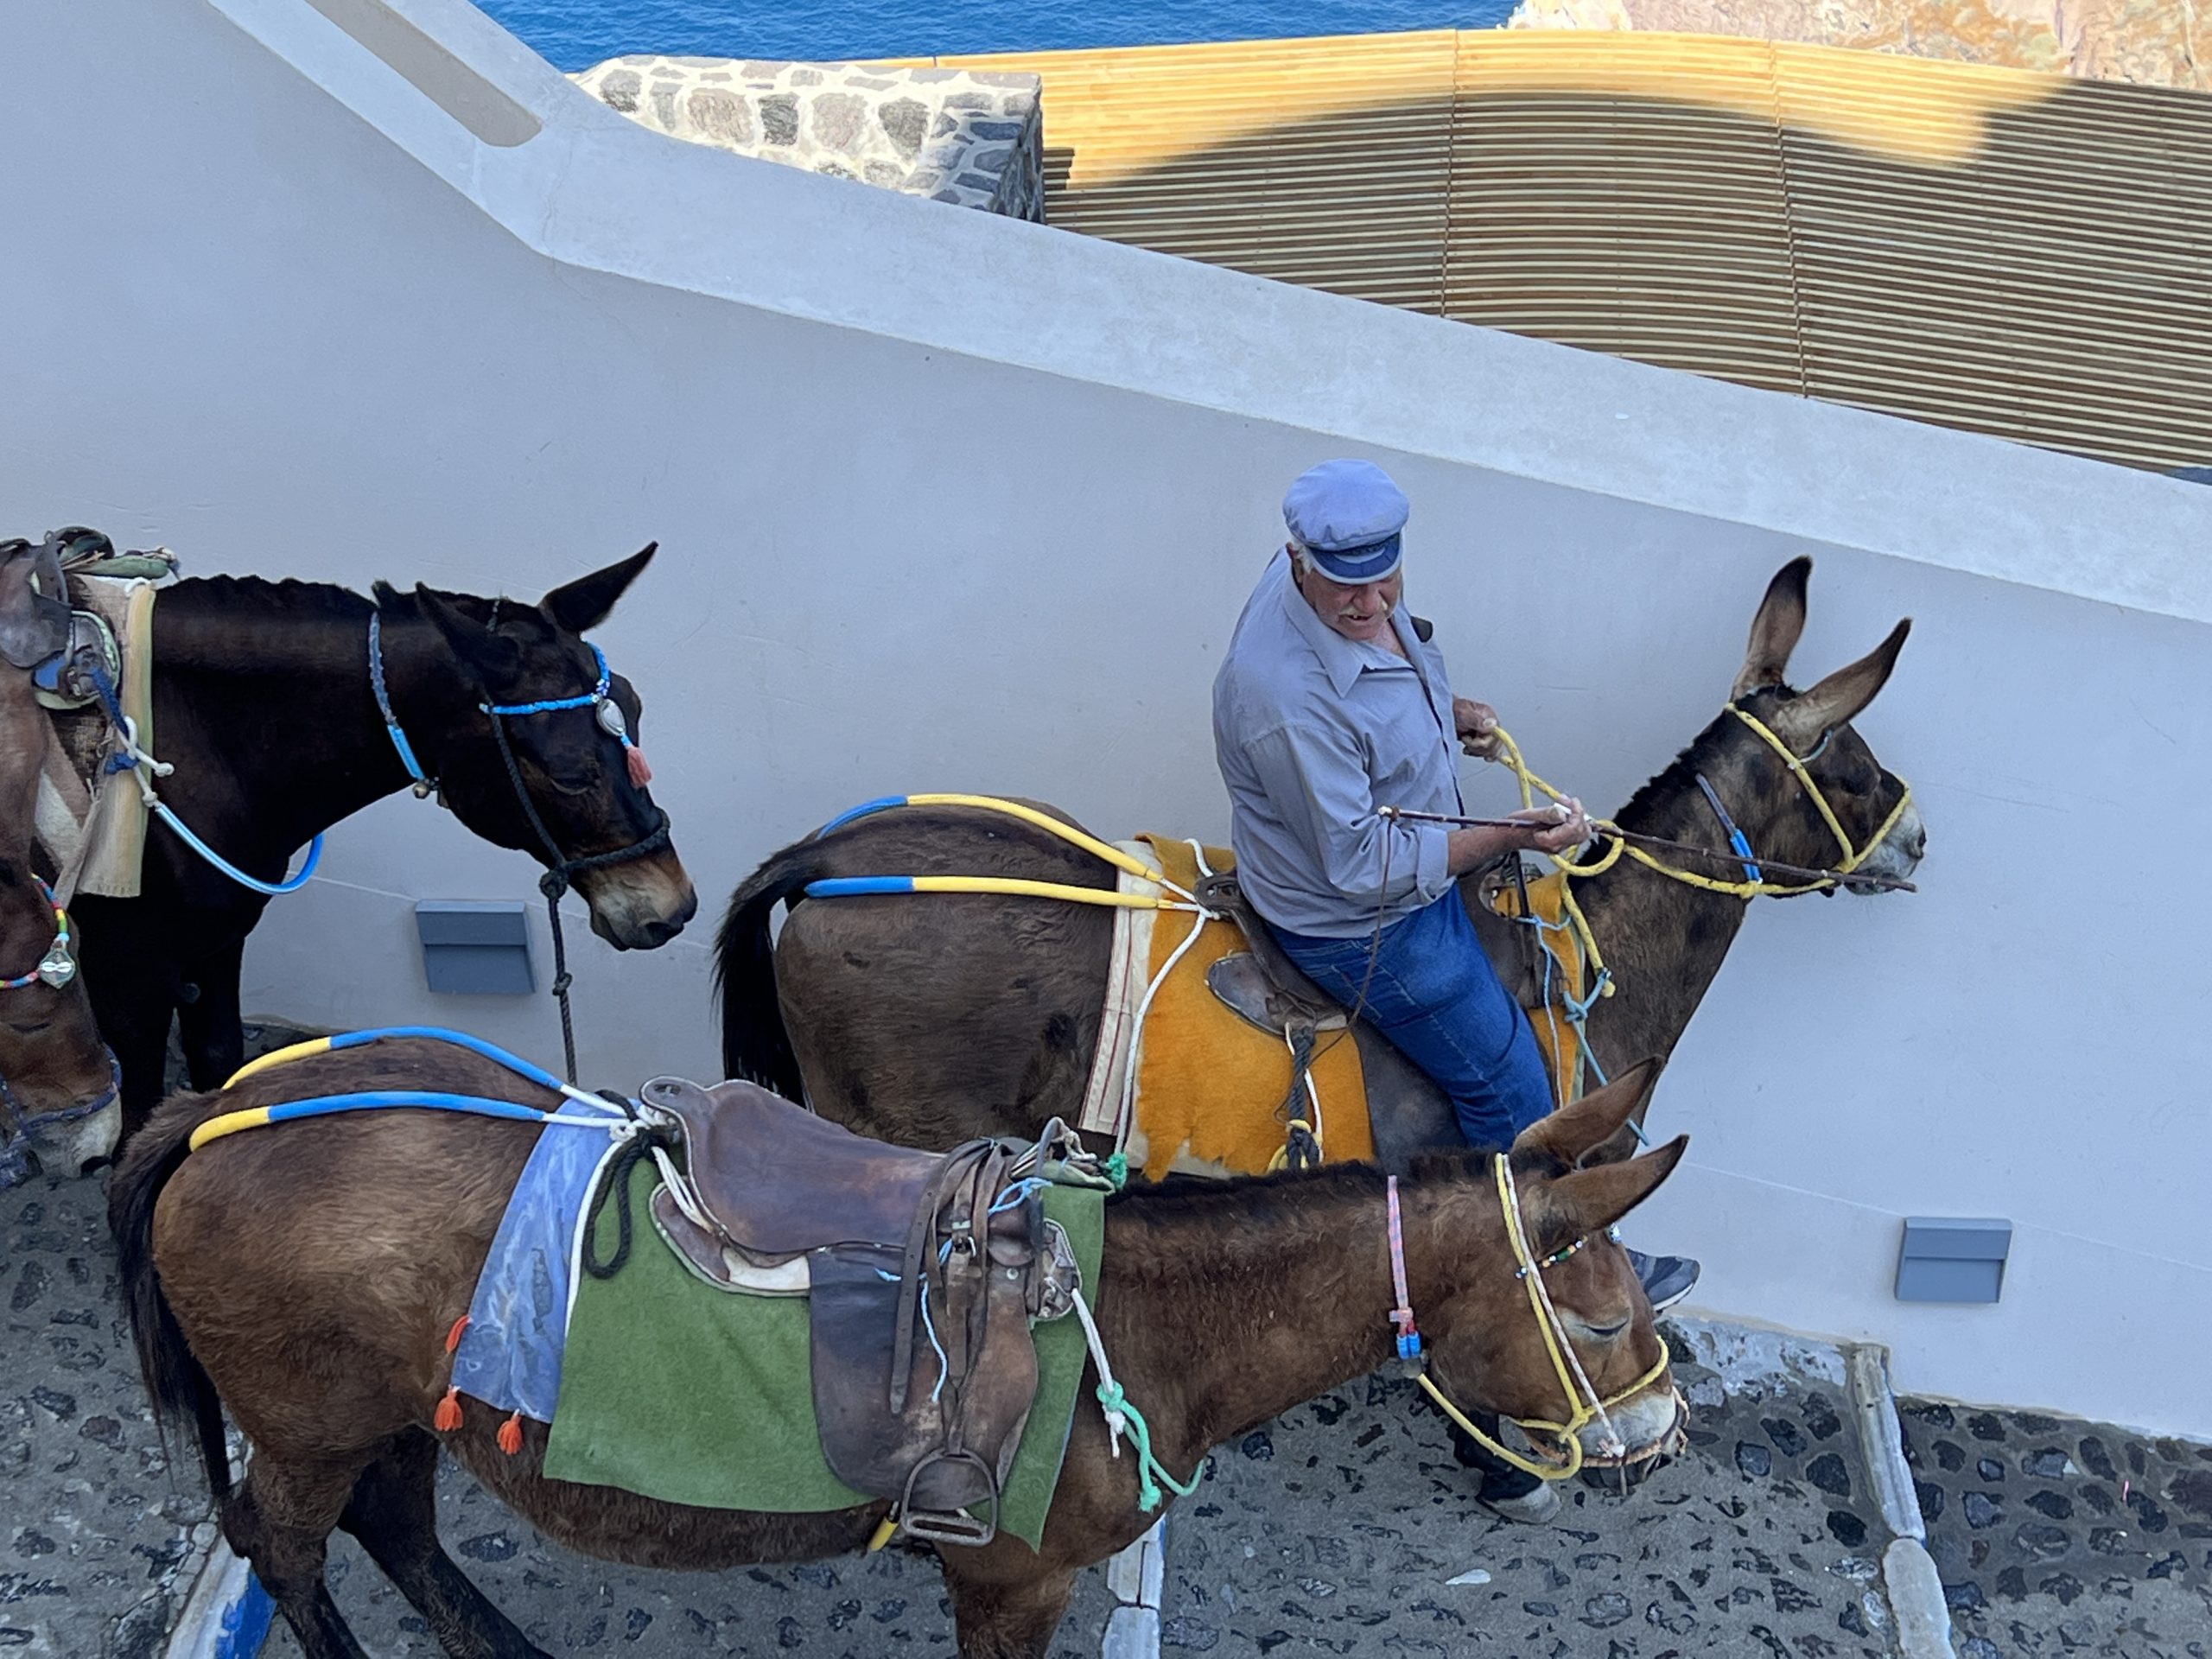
[(305, 1276)]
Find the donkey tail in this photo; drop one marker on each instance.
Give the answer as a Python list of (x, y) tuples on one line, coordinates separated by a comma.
[(756, 1045), (180, 1391)]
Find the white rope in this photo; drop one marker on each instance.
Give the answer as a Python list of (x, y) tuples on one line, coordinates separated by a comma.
[(1126, 1119), (1116, 1423), (143, 767), (679, 1191)]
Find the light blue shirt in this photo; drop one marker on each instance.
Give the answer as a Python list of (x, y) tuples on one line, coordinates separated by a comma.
[(1314, 732)]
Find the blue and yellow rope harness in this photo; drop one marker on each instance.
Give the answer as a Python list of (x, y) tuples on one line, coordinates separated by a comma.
[(435, 1100)]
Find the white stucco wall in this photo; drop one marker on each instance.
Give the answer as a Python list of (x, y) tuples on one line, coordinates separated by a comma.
[(949, 501)]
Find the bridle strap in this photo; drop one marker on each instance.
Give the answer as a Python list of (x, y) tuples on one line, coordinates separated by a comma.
[(1738, 842), (556, 880), (15, 1160), (1401, 1316), (57, 967), (423, 782), (1584, 1405), (561, 868), (1853, 857)]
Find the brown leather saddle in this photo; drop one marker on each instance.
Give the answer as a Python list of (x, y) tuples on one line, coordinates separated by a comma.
[(1407, 1113), (923, 1271), (1260, 984)]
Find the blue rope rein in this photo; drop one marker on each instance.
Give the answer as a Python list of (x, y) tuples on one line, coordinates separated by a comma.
[(131, 759)]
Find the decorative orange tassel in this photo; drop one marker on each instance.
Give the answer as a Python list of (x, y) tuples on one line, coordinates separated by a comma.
[(447, 1418), (510, 1435), (452, 1336), (640, 773)]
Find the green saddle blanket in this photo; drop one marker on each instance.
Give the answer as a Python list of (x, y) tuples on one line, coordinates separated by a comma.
[(678, 1391)]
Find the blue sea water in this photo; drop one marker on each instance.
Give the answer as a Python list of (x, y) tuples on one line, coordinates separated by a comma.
[(575, 33)]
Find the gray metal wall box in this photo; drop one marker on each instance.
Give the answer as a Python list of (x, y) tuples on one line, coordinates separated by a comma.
[(475, 948), (1951, 1259)]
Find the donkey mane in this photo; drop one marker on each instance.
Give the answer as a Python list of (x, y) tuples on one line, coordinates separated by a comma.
[(288, 597), (1677, 780), (1284, 1195)]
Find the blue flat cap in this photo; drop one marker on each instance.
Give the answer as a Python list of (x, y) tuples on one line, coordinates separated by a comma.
[(1348, 514)]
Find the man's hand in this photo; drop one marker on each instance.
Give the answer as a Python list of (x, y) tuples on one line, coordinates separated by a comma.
[(1554, 829), (1477, 724)]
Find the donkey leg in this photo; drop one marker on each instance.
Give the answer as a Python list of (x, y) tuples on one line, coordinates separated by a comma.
[(208, 1026), (280, 1522), (1011, 1618), (394, 1514), (133, 1004)]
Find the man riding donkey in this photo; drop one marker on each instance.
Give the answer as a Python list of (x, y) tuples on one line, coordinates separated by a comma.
[(1330, 706)]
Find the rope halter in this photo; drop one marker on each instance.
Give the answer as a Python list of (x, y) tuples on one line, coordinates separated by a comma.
[(1853, 857), (1584, 1405)]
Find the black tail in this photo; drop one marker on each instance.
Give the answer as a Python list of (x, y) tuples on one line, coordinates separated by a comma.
[(181, 1391), (755, 1045)]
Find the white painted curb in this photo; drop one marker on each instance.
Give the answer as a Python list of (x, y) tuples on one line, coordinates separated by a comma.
[(1908, 1570), (1133, 1575), (227, 1614)]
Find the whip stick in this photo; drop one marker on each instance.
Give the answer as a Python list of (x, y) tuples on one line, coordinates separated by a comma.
[(1796, 872)]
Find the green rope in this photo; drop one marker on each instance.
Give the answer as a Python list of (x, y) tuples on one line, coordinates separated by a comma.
[(1117, 1170), (1117, 1403)]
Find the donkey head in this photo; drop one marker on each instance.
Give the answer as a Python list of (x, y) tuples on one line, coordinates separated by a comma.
[(1755, 783), (1489, 1340), (53, 1065), (569, 768)]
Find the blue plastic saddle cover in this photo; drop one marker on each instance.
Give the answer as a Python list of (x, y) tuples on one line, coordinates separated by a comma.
[(510, 1354)]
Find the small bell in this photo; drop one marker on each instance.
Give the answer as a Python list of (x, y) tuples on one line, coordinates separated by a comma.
[(611, 720), (57, 967)]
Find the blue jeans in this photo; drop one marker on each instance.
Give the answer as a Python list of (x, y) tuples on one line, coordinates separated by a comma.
[(1438, 1000)]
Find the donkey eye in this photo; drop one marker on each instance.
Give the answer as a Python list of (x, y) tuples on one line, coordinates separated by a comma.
[(1607, 1332)]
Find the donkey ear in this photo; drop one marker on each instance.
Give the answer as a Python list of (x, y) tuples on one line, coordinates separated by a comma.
[(486, 657), (1586, 1201), (1774, 630), (584, 603), (1560, 1141), (1838, 699)]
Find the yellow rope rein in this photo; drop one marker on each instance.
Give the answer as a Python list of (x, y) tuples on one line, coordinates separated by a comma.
[(1604, 829), (1584, 1405)]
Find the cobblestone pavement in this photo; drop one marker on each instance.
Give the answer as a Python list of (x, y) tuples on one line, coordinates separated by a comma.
[(2053, 1535), (97, 1547)]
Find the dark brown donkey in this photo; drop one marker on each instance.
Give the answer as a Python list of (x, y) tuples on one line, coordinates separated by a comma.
[(930, 1018), (264, 707), (304, 1277), (57, 1082)]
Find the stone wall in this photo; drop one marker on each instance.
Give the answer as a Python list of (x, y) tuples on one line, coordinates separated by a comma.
[(972, 139)]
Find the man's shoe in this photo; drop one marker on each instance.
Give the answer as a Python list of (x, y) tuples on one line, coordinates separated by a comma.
[(1520, 1498), (1667, 1279)]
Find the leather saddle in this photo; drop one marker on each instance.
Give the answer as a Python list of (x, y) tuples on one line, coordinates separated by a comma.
[(1260, 984), (923, 1271)]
